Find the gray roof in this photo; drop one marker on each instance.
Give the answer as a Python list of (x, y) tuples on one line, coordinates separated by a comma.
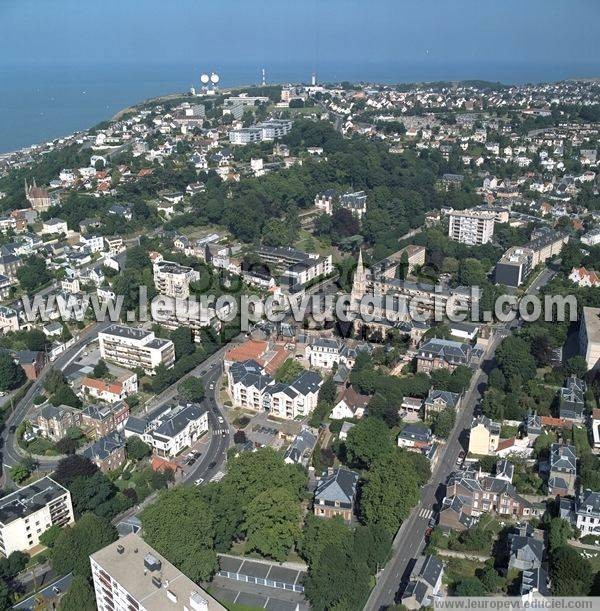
[(338, 486), (105, 446), (178, 419), (302, 446), (416, 432), (449, 398), (563, 458), (29, 499)]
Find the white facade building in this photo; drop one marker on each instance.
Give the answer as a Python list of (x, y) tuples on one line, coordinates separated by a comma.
[(471, 227), (173, 280), (133, 347), (31, 511)]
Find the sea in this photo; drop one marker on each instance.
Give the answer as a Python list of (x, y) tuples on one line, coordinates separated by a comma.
[(38, 104)]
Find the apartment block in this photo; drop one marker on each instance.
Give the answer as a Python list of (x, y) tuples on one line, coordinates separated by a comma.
[(134, 347), (173, 280), (30, 511), (471, 227), (130, 575), (589, 337), (514, 266)]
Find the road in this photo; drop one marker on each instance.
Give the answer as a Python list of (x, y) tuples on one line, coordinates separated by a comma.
[(10, 455), (50, 592), (409, 541)]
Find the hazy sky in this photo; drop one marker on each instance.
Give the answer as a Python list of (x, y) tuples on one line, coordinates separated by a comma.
[(227, 31)]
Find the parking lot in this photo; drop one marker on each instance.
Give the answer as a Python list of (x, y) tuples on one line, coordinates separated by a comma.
[(267, 432), (261, 584)]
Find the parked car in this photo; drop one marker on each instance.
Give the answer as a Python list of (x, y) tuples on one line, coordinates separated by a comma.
[(199, 481), (212, 465)]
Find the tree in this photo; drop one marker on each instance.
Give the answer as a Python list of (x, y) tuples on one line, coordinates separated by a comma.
[(191, 389), (390, 491), (79, 597), (136, 448), (11, 374), (491, 581), (49, 537), (100, 369), (368, 441), (19, 473), (444, 423), (492, 404), (515, 360), (53, 381), (403, 266), (570, 573), (288, 371), (33, 274), (74, 545), (559, 532), (72, 467), (272, 520), (469, 586), (318, 534), (180, 526), (64, 395), (328, 391), (66, 445), (88, 493), (576, 366), (183, 341)]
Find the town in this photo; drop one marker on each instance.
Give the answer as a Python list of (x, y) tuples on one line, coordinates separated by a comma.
[(189, 462)]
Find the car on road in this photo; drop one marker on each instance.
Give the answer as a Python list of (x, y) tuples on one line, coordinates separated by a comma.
[(203, 372), (461, 454), (212, 465), (224, 434), (199, 481), (212, 386), (190, 462), (213, 365), (220, 420), (12, 429), (432, 522), (56, 589)]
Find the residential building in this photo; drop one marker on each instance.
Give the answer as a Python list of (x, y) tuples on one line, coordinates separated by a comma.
[(589, 337), (32, 362), (471, 227), (583, 277), (129, 574), (471, 493), (38, 197), (53, 422), (595, 426), (584, 512), (247, 382), (324, 352), (514, 266), (526, 548), (389, 267), (301, 449), (355, 202), (563, 470), (170, 428), (325, 200), (439, 400), (134, 347), (484, 436), (108, 452), (9, 320), (414, 435), (54, 226), (9, 264), (350, 404), (110, 391), (425, 583), (443, 353), (172, 279), (99, 420), (335, 494), (30, 511), (296, 399), (572, 399)]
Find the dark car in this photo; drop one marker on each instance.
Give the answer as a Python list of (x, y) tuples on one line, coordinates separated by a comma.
[(191, 461), (12, 429), (212, 465)]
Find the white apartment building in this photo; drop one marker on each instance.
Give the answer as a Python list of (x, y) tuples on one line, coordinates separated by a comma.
[(129, 574), (172, 279), (304, 271), (30, 511), (54, 226), (93, 243), (471, 227), (587, 513), (324, 352), (250, 387), (246, 135), (133, 347)]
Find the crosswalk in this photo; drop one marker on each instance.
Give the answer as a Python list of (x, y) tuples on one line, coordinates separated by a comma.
[(425, 513), (220, 431)]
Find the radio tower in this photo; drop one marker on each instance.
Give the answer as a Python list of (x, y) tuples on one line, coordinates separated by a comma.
[(264, 77)]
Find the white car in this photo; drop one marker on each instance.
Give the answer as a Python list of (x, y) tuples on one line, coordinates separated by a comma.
[(199, 481), (212, 386), (220, 420)]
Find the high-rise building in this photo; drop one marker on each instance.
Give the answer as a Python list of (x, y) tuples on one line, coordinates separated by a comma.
[(172, 279), (471, 227), (130, 575), (31, 511)]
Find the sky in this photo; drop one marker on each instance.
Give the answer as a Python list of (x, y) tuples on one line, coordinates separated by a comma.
[(274, 32)]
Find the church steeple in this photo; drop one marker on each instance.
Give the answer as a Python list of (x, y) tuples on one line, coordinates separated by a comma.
[(359, 281)]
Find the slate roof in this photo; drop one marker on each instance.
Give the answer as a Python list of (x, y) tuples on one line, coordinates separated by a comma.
[(338, 486), (455, 353), (449, 398), (302, 446), (562, 458), (105, 446), (178, 419)]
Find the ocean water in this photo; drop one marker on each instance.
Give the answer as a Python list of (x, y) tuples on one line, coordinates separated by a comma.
[(40, 103)]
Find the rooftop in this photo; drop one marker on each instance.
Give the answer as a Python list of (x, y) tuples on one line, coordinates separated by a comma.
[(29, 499), (151, 579)]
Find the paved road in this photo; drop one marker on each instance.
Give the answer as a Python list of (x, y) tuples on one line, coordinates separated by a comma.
[(409, 541), (50, 592), (10, 455)]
